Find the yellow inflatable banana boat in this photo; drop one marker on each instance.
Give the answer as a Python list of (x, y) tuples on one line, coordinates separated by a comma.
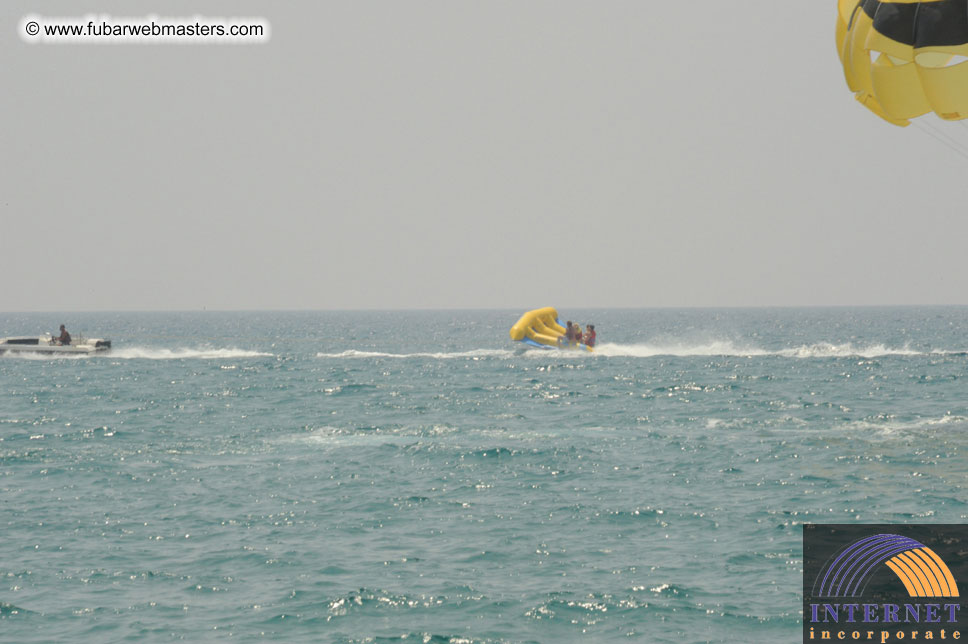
[(542, 329)]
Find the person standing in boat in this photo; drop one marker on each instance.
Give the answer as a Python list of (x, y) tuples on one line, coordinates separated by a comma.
[(64, 338)]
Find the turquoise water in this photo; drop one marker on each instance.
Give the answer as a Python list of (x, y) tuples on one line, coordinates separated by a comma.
[(411, 476)]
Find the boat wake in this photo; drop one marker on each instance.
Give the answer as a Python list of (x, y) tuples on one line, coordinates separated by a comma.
[(149, 353), (892, 426), (723, 348), (714, 348), (475, 354), (730, 349), (146, 353)]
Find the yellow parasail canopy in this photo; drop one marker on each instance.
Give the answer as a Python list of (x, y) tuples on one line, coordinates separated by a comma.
[(906, 58)]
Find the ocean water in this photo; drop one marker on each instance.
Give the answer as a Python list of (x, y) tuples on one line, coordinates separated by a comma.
[(414, 477)]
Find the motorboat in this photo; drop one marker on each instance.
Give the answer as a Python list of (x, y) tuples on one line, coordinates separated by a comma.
[(49, 345)]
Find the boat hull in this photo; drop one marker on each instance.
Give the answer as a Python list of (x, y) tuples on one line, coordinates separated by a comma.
[(560, 347), (46, 346)]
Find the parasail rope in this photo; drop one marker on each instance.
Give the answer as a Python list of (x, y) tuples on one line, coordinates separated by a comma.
[(942, 137)]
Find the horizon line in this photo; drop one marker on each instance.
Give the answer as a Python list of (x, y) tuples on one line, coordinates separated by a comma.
[(507, 308)]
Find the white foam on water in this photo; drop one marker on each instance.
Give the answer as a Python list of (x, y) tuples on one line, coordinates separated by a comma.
[(891, 426), (477, 353), (847, 350), (711, 348), (730, 349), (151, 353)]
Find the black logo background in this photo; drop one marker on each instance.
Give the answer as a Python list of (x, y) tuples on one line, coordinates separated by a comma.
[(821, 542)]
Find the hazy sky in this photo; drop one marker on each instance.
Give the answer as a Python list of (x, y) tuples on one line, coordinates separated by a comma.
[(454, 154)]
